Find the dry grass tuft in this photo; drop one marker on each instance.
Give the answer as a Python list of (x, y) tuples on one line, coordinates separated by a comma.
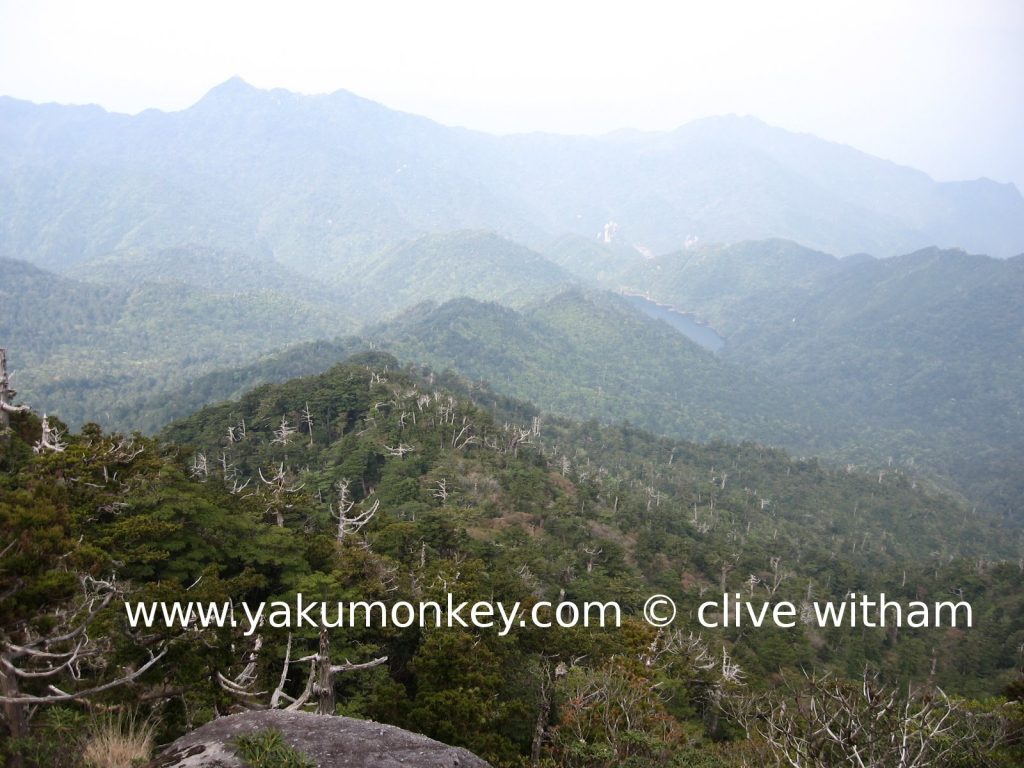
[(121, 741)]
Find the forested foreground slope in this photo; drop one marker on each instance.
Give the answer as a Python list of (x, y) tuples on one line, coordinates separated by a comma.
[(486, 498)]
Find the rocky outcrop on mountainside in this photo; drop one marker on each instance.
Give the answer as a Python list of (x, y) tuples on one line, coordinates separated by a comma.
[(330, 742)]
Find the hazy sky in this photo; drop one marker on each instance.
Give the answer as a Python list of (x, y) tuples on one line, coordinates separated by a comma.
[(934, 84)]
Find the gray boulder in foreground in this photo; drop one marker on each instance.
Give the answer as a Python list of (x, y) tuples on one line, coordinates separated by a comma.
[(332, 742)]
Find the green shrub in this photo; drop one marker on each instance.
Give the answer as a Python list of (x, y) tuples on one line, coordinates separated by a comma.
[(268, 749)]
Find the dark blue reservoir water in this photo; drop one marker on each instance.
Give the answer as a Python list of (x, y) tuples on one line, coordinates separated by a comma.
[(684, 322)]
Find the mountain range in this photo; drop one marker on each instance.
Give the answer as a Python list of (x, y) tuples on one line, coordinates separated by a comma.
[(320, 182)]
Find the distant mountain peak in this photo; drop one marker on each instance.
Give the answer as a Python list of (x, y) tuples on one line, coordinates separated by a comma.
[(233, 86), (235, 93)]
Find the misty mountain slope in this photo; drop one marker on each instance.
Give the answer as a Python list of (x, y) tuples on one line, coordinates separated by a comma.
[(919, 356), (916, 358), (85, 349), (169, 314), (577, 355), (728, 179), (660, 194), (898, 323), (210, 269), (151, 411), (724, 284), (323, 182), (315, 180), (592, 260), (478, 265), (587, 355), (947, 210), (593, 356), (931, 340)]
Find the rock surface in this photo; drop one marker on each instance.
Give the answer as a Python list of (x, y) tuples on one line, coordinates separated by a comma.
[(332, 742)]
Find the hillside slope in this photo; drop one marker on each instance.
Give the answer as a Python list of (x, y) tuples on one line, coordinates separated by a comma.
[(480, 499), (919, 356), (88, 349)]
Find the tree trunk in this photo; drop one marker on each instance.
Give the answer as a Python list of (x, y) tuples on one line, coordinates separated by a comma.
[(14, 714), (543, 713), (5, 394), (325, 677)]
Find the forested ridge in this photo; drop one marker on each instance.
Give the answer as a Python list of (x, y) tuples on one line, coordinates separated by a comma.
[(914, 359), (488, 498), (83, 349)]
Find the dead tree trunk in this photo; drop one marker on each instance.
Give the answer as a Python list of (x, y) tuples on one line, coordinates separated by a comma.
[(323, 672), (325, 677), (15, 714), (349, 523), (45, 659), (7, 394), (540, 727)]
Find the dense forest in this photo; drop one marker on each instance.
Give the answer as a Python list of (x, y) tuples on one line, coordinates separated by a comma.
[(375, 480), (913, 360)]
